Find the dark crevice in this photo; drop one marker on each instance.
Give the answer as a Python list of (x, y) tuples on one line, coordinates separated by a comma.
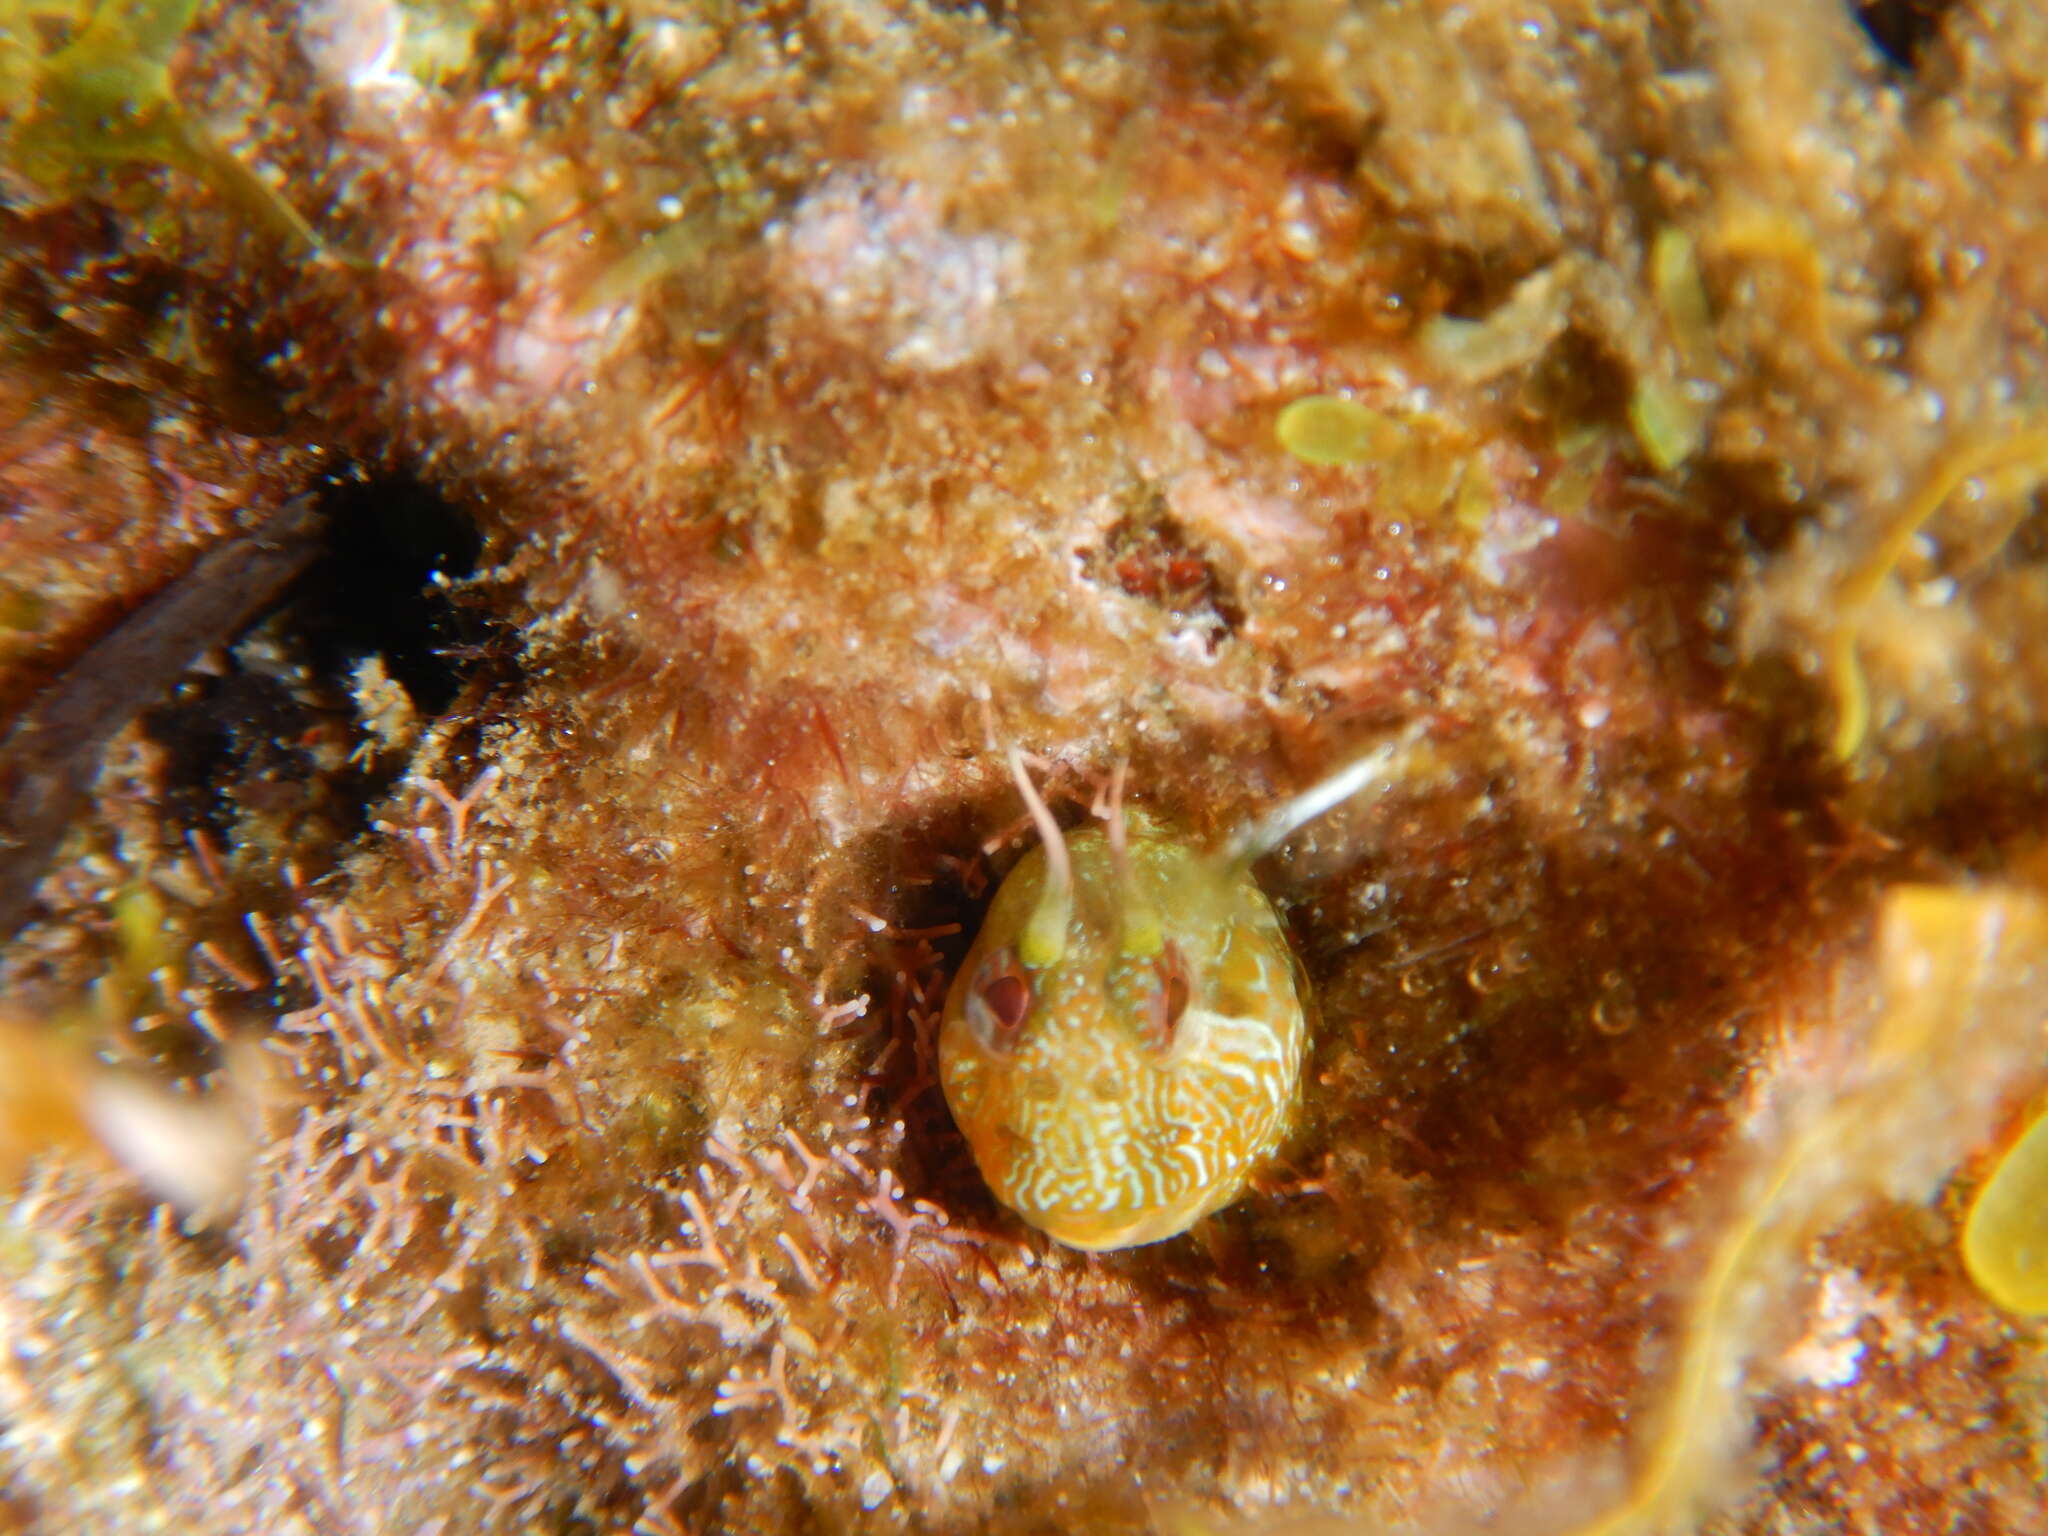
[(1901, 29), (251, 671), (382, 588), (275, 728), (1149, 556)]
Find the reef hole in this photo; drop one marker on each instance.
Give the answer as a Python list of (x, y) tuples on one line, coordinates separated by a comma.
[(1901, 29), (1147, 555), (940, 886), (275, 727), (380, 589)]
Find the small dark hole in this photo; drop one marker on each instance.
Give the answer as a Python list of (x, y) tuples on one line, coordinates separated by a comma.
[(249, 734), (1901, 29), (379, 588)]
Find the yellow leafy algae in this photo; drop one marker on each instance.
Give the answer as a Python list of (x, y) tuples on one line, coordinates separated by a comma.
[(2004, 467), (1330, 430), (1682, 296), (2005, 1239), (1960, 970), (1668, 425), (1513, 335)]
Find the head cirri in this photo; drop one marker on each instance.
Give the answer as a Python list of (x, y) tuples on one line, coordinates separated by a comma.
[(1122, 1045)]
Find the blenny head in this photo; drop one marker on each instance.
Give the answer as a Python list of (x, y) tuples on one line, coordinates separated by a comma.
[(1123, 1043)]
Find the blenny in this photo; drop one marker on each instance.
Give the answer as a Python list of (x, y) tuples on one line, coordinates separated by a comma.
[(1122, 1045)]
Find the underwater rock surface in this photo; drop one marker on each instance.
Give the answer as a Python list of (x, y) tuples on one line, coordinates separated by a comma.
[(478, 1031)]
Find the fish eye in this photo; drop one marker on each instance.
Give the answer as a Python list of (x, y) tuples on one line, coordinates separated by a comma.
[(999, 999), (1167, 999)]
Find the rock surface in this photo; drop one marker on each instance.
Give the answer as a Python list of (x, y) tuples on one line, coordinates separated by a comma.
[(736, 427)]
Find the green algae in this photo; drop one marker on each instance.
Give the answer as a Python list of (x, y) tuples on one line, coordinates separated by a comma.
[(105, 99)]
